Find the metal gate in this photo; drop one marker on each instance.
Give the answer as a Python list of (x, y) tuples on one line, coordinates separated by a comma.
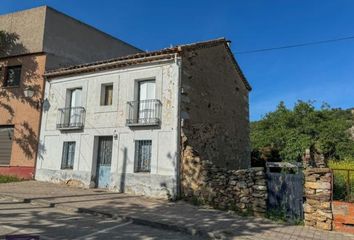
[(285, 190), (104, 159)]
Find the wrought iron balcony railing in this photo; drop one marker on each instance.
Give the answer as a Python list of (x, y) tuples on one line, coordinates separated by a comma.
[(144, 113), (71, 118)]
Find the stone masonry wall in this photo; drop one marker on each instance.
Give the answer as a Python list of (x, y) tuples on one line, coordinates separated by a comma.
[(215, 108), (239, 190), (318, 190)]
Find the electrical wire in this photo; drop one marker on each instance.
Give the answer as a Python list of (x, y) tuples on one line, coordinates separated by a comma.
[(296, 45)]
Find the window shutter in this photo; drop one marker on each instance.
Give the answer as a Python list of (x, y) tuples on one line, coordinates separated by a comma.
[(64, 156), (136, 157)]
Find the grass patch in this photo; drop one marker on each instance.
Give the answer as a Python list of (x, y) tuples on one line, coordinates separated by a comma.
[(343, 185), (279, 216), (7, 179)]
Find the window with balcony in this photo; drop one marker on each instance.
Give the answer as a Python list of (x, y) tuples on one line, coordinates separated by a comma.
[(146, 110), (73, 115), (106, 94), (12, 76)]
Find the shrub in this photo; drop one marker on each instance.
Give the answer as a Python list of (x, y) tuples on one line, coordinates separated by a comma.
[(341, 181)]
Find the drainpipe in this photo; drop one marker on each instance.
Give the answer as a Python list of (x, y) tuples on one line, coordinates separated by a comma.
[(39, 125), (178, 62)]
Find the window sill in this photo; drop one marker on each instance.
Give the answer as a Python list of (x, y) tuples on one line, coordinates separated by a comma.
[(10, 87)]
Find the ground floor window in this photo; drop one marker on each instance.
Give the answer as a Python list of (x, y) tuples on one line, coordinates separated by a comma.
[(6, 138), (68, 155), (142, 155)]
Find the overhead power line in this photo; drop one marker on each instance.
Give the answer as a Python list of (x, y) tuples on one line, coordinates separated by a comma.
[(296, 45)]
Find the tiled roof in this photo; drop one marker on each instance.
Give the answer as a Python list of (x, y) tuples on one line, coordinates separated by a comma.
[(144, 57)]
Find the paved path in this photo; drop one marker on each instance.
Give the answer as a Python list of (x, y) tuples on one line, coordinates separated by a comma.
[(162, 214), (52, 223)]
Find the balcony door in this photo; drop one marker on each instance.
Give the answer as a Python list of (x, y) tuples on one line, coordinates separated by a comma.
[(146, 103), (75, 103)]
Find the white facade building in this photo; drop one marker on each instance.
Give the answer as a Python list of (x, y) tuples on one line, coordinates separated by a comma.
[(140, 123), (90, 138)]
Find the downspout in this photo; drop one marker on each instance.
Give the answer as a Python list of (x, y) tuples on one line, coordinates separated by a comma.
[(40, 124), (178, 62)]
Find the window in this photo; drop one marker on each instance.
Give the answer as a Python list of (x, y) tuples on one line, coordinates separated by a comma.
[(68, 155), (6, 138), (106, 94), (142, 155), (12, 76), (147, 106), (72, 114)]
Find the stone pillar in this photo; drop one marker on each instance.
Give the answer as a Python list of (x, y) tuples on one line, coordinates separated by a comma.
[(259, 195), (318, 192)]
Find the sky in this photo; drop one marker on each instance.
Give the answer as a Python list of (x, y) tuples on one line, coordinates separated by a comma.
[(321, 73)]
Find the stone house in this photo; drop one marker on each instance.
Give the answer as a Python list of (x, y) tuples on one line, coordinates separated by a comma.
[(37, 40), (130, 124)]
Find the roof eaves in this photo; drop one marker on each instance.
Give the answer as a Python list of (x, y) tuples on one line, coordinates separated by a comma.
[(105, 66), (139, 57), (238, 69)]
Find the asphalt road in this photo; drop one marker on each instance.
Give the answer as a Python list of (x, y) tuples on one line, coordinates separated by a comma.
[(51, 223)]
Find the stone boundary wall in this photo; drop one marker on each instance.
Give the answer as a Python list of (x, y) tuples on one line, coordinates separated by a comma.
[(318, 191), (243, 191)]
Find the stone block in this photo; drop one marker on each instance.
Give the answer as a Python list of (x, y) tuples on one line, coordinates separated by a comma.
[(326, 214), (309, 191), (325, 205), (244, 200), (310, 223), (241, 184), (318, 185), (260, 187), (324, 225), (308, 208)]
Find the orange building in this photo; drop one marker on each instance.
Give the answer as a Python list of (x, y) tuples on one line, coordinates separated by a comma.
[(31, 42)]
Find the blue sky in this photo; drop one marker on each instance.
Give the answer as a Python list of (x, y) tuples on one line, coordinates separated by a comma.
[(319, 72)]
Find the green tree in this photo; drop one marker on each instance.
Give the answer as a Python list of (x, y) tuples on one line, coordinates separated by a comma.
[(291, 131)]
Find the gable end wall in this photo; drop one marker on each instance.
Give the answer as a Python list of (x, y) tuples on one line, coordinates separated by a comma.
[(214, 109)]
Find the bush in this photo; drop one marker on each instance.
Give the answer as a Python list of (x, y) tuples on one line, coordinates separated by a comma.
[(340, 181), (291, 131)]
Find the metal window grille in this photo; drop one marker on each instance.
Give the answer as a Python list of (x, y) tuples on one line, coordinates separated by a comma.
[(68, 155), (105, 150), (143, 155), (13, 76)]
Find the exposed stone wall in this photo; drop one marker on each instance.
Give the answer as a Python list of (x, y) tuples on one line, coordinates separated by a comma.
[(318, 190), (314, 159), (239, 190), (214, 107)]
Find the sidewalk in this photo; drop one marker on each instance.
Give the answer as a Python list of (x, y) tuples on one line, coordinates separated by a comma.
[(178, 216)]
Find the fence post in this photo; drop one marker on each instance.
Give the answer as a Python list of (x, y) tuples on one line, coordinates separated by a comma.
[(318, 191)]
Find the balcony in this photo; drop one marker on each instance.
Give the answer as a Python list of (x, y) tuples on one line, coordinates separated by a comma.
[(71, 118), (144, 113)]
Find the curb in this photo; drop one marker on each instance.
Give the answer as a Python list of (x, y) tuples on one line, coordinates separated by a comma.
[(139, 221)]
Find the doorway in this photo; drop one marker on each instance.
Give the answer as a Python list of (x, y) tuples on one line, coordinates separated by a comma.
[(104, 159)]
